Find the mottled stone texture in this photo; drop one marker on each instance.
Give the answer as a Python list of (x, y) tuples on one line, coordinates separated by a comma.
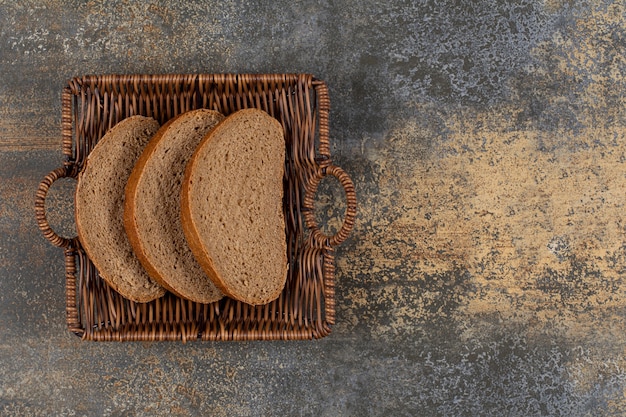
[(485, 275)]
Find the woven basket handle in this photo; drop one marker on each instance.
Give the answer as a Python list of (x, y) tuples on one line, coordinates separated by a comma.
[(350, 215), (40, 207)]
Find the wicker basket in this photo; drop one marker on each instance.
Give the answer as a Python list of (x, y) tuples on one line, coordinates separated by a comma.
[(306, 307)]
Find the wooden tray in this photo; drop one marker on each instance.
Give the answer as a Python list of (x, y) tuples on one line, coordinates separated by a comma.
[(306, 307)]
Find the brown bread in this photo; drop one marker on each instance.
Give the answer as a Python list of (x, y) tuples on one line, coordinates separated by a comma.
[(99, 204), (152, 208), (232, 206)]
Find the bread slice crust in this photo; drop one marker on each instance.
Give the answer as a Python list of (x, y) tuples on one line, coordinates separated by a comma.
[(99, 201), (152, 207), (232, 206)]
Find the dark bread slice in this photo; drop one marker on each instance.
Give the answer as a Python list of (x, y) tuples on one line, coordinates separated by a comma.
[(232, 206), (99, 205), (152, 207)]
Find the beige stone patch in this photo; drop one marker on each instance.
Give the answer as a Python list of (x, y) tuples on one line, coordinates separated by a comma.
[(541, 232)]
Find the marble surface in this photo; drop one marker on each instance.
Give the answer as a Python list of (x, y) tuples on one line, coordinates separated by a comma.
[(485, 273)]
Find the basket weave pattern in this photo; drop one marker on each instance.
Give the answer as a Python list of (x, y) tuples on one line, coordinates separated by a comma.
[(306, 307)]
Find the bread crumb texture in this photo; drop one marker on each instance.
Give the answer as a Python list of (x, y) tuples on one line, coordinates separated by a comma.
[(153, 202), (235, 203), (100, 206)]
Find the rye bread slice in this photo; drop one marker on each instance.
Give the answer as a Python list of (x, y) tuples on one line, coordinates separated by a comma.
[(152, 207), (99, 205), (232, 206)]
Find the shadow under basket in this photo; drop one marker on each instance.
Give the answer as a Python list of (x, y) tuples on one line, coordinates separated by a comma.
[(306, 307)]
